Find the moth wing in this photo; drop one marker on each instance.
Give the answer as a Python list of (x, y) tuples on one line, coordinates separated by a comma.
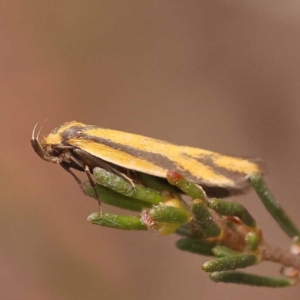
[(132, 160), (156, 157)]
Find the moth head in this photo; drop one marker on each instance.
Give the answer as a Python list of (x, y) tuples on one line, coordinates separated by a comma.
[(42, 150)]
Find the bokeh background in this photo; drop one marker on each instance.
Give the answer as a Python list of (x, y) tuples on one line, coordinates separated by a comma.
[(220, 75)]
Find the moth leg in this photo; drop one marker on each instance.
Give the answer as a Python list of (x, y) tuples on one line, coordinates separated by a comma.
[(89, 175), (93, 161), (123, 176), (93, 184), (67, 168), (134, 176)]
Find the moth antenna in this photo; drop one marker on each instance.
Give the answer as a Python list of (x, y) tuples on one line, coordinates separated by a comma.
[(33, 132), (39, 149), (37, 136)]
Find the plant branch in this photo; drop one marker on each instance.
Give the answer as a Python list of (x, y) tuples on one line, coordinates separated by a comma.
[(278, 255)]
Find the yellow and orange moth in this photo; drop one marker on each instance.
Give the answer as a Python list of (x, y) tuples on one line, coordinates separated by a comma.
[(84, 147)]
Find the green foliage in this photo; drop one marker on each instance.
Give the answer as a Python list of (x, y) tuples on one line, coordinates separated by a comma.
[(213, 227)]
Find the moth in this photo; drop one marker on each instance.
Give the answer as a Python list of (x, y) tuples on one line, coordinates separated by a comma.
[(75, 145)]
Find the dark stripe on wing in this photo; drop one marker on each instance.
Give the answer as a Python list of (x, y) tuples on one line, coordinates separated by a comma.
[(238, 177), (157, 159), (75, 131)]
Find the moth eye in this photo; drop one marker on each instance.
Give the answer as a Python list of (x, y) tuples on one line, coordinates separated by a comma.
[(55, 152)]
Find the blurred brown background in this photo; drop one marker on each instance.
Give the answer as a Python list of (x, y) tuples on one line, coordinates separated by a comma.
[(221, 75)]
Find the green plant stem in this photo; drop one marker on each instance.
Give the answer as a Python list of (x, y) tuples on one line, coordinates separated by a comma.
[(250, 279), (252, 240), (230, 263), (273, 207), (169, 214), (188, 187), (204, 218), (230, 208), (195, 246), (158, 184), (113, 198), (222, 251), (123, 187), (116, 221)]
